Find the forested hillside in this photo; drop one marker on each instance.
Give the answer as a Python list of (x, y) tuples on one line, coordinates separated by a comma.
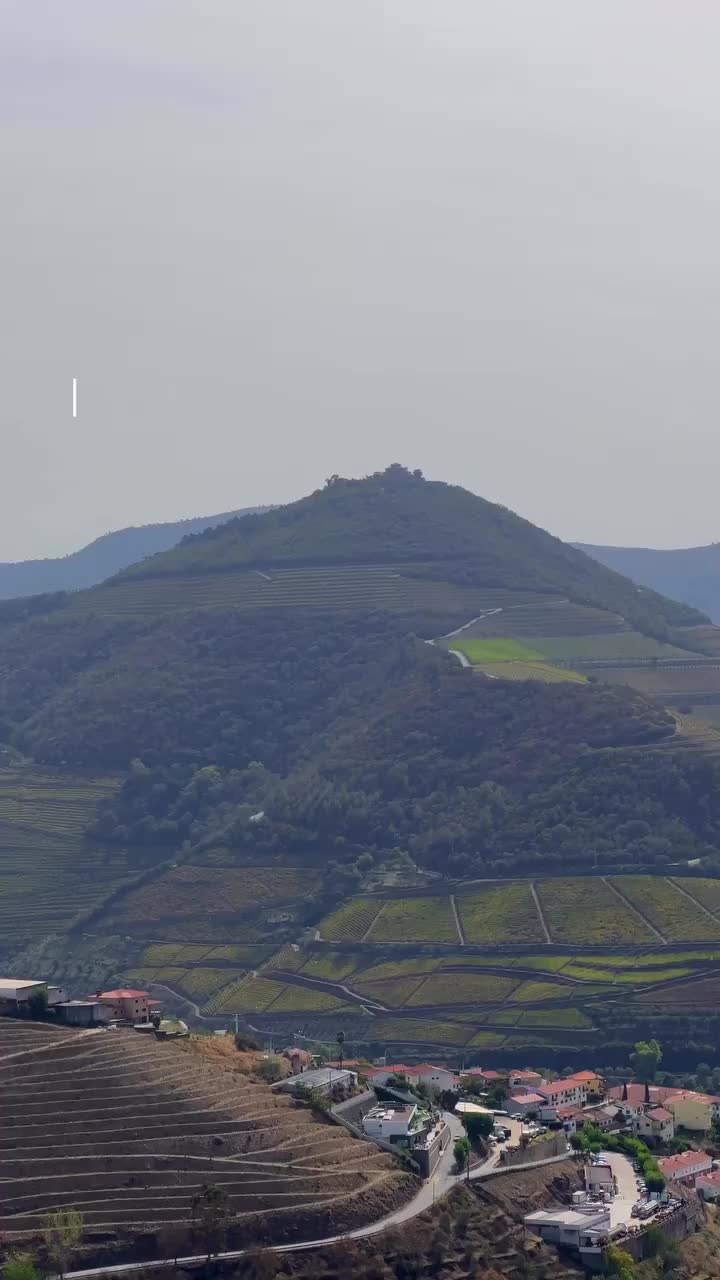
[(102, 557), (398, 516)]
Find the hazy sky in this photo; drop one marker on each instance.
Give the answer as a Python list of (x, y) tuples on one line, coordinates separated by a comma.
[(275, 239)]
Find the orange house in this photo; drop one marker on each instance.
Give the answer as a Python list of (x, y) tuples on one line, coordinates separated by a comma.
[(130, 1006)]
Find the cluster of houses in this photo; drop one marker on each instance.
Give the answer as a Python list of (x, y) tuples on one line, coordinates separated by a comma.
[(122, 1006)]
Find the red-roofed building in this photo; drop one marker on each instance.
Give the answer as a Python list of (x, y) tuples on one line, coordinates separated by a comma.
[(686, 1166), (524, 1080), (559, 1093), (570, 1116), (482, 1073), (381, 1075), (128, 1005), (693, 1111), (656, 1123), (592, 1081), (440, 1078), (708, 1185), (634, 1098)]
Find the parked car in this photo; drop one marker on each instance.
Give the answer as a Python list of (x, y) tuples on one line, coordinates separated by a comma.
[(517, 1115)]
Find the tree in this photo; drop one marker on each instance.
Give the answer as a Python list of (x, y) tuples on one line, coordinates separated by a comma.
[(478, 1124), (621, 1263), (461, 1152), (62, 1235), (211, 1212), (646, 1059), (20, 1266), (270, 1070), (38, 1004)]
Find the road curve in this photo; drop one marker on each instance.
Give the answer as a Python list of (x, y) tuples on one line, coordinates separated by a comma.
[(442, 1182)]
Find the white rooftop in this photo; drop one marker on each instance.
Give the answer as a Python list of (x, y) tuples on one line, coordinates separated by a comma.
[(14, 984), (567, 1217)]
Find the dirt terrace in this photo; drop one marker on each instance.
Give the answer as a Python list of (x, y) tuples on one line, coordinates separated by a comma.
[(128, 1128)]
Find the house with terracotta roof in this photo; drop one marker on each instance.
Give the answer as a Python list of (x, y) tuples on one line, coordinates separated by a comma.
[(559, 1093), (707, 1185), (518, 1080), (570, 1116), (634, 1098), (482, 1073), (592, 1081), (656, 1123), (693, 1111), (127, 1005), (686, 1166), (440, 1078), (381, 1075)]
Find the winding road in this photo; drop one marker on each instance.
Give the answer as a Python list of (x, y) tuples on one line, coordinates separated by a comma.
[(440, 1184)]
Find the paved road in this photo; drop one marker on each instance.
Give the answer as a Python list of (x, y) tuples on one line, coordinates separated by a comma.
[(442, 1181), (620, 1209)]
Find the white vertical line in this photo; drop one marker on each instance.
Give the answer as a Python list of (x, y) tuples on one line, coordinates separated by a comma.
[(74, 397)]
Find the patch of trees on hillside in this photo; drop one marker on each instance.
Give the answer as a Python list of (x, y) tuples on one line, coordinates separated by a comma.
[(357, 740)]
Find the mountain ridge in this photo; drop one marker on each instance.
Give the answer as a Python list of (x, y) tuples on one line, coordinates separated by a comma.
[(104, 556), (691, 574)]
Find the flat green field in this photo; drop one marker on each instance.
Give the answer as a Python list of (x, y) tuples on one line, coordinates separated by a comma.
[(428, 919), (498, 913), (495, 650), (584, 910)]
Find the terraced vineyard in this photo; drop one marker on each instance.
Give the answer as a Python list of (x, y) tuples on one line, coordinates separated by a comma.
[(128, 1129), (49, 875), (544, 671), (668, 909), (227, 904), (499, 912), (322, 586), (589, 911), (428, 919)]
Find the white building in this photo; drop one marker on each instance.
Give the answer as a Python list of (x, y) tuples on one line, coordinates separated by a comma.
[(560, 1093), (686, 1166), (393, 1124), (15, 992), (435, 1077), (655, 1122), (708, 1185), (573, 1228), (600, 1177)]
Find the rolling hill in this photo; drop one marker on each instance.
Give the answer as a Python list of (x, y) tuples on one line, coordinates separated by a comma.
[(691, 574), (102, 557), (274, 713)]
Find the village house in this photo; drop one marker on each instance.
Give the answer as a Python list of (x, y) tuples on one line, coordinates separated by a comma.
[(572, 1228), (693, 1111), (632, 1099), (600, 1177), (685, 1167), (127, 1005), (520, 1080), (395, 1124), (482, 1073), (708, 1185), (655, 1123), (560, 1093), (440, 1078), (525, 1103), (570, 1117), (381, 1075), (591, 1080), (299, 1059)]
